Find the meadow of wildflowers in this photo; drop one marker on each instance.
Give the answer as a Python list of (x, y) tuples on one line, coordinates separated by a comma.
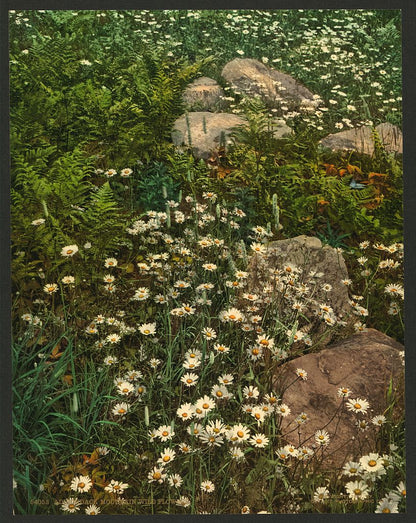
[(149, 324)]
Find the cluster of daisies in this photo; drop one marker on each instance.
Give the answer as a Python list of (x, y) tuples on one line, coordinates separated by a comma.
[(84, 484), (111, 173), (379, 261), (363, 475), (245, 313)]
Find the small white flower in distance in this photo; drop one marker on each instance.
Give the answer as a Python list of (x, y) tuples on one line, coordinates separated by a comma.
[(69, 250)]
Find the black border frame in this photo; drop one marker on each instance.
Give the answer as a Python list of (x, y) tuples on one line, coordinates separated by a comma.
[(408, 8)]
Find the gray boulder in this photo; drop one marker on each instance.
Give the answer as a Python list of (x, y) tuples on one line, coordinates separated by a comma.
[(204, 94), (252, 77), (204, 132), (360, 139), (308, 254)]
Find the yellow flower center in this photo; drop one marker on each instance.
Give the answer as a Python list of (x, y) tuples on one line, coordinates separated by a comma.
[(69, 251), (205, 406), (240, 433), (357, 406), (157, 475), (372, 463), (166, 458), (255, 352), (198, 411), (189, 380), (165, 433), (116, 487), (125, 390), (386, 510), (219, 393), (81, 485), (357, 491), (353, 470), (184, 414), (264, 342), (146, 331), (212, 439), (71, 506), (258, 441), (140, 390), (121, 411), (232, 316)]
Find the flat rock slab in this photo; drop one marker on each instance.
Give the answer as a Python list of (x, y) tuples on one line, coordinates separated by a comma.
[(204, 94), (365, 363), (204, 132), (361, 140), (254, 78)]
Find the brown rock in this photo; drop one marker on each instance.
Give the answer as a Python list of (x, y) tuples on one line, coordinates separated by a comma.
[(204, 94), (254, 78), (360, 139), (365, 363)]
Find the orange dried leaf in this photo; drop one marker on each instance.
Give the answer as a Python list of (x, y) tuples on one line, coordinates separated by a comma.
[(330, 169), (67, 379), (354, 169)]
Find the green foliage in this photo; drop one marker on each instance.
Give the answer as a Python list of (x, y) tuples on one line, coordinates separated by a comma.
[(155, 187), (121, 106), (330, 237), (43, 425), (54, 188), (102, 221)]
